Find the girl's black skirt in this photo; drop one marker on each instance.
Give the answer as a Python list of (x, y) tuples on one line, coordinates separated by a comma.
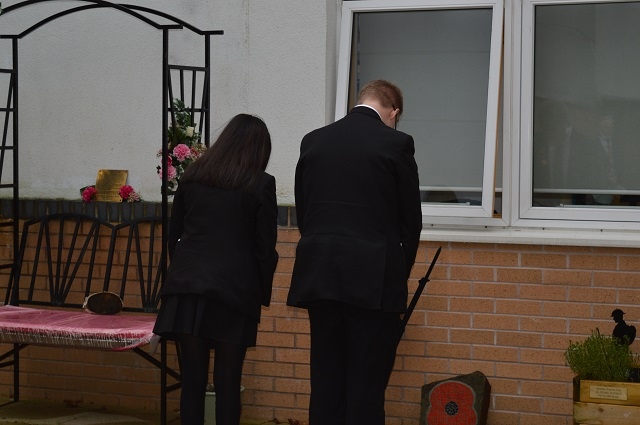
[(204, 317)]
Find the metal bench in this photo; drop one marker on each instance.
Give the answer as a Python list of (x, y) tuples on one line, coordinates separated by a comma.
[(64, 258)]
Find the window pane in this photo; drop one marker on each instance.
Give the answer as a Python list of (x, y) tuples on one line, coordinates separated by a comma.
[(440, 59), (586, 129)]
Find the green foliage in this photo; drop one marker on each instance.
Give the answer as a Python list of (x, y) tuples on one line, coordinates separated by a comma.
[(183, 131), (600, 358)]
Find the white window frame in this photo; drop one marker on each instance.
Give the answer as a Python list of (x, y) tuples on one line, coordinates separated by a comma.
[(584, 217), (439, 212), (520, 222)]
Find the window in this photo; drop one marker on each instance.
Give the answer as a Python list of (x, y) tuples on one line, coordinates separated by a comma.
[(539, 128), (446, 59), (582, 101)]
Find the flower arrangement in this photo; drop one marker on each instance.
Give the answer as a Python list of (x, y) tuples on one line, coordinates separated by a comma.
[(183, 144), (126, 192), (88, 193)]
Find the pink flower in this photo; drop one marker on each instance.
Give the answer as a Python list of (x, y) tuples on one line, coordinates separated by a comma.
[(125, 191), (172, 173), (89, 193), (134, 197), (128, 194), (182, 152)]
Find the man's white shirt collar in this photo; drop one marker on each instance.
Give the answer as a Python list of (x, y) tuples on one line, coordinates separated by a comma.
[(370, 107)]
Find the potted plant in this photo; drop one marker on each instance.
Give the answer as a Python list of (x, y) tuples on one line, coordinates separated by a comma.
[(602, 390)]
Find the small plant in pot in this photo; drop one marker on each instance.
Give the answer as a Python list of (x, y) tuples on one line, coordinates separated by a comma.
[(601, 358)]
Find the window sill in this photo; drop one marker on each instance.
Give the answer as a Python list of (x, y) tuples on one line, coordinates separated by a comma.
[(537, 236)]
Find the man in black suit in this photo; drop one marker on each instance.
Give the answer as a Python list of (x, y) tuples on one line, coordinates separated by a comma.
[(358, 211)]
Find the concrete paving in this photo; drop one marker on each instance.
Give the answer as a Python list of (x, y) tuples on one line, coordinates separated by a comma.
[(44, 412)]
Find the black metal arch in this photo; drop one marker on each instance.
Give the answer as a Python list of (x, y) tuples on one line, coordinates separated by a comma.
[(96, 3), (10, 108), (129, 9)]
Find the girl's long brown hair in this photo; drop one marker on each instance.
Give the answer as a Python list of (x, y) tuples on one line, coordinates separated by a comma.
[(236, 159)]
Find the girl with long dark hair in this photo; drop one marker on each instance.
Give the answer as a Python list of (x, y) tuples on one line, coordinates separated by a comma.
[(222, 240)]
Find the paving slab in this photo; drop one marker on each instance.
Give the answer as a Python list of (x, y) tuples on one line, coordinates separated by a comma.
[(46, 412)]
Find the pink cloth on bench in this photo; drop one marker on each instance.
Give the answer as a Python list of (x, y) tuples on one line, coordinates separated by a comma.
[(77, 329)]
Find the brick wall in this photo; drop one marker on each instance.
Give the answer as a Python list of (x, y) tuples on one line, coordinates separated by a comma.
[(508, 311)]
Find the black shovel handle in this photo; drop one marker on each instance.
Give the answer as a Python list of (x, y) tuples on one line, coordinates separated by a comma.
[(421, 284)]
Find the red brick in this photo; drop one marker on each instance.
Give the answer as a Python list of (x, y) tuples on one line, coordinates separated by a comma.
[(416, 333), (519, 275), (423, 364), (546, 389), (557, 374), (600, 295), (546, 419), (290, 385), (476, 305), (288, 235), (519, 371), (557, 406), (530, 308), (459, 351), (495, 258), (449, 288), (472, 336), (545, 357), (463, 367), (630, 263), (566, 309), (544, 260), (495, 321), (499, 354), (449, 319), (616, 279), (518, 339), (505, 418), (542, 292), (593, 262), (497, 290), (543, 324), (518, 404), (472, 273)]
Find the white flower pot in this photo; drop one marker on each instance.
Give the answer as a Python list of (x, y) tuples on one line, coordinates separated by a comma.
[(210, 406)]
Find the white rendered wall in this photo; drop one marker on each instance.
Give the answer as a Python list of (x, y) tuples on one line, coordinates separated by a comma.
[(91, 85)]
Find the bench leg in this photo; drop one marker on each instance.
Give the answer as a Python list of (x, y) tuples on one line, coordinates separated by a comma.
[(163, 382), (16, 372)]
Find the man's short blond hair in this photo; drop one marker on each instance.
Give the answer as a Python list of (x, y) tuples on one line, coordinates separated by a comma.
[(388, 94)]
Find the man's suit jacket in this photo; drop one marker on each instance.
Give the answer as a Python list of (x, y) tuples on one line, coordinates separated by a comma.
[(222, 244), (358, 211)]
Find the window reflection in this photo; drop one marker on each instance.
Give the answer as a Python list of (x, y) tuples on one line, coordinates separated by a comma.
[(587, 105)]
